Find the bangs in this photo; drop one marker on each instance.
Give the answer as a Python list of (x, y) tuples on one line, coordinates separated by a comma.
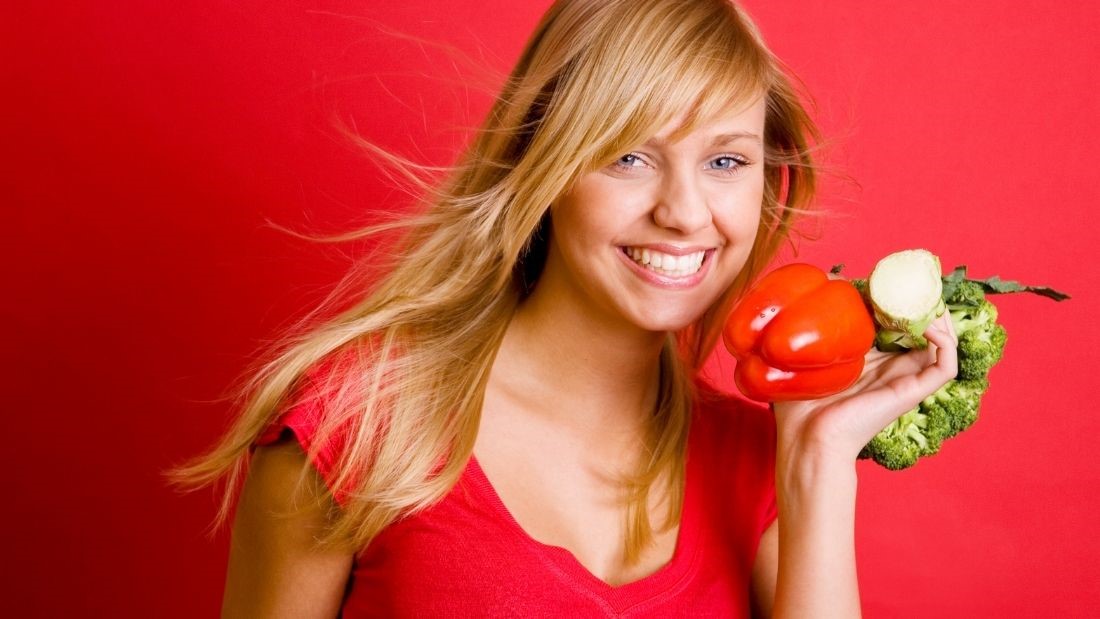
[(685, 62)]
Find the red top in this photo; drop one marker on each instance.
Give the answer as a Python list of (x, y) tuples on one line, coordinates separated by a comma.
[(467, 556)]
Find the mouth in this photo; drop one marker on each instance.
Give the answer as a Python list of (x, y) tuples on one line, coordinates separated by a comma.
[(664, 264)]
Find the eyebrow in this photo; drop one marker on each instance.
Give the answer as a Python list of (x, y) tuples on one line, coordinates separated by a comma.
[(719, 140), (726, 138)]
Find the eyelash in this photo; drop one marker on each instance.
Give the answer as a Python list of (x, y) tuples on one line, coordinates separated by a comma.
[(738, 162)]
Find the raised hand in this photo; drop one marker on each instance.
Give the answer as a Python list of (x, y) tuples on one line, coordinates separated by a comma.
[(838, 426)]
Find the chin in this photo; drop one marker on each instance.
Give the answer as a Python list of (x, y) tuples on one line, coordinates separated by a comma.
[(667, 322)]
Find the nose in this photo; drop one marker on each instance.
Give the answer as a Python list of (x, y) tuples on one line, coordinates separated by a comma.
[(682, 204)]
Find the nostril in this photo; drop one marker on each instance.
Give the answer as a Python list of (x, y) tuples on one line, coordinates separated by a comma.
[(684, 218)]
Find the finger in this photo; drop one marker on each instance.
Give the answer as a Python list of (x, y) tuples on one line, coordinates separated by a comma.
[(915, 387), (946, 325), (941, 334), (903, 393)]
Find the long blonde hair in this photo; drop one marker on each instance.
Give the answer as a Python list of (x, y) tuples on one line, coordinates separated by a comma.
[(596, 78)]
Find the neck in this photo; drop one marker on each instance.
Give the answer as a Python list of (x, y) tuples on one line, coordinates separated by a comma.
[(582, 371)]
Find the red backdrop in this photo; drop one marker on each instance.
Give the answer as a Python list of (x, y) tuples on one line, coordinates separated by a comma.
[(146, 143)]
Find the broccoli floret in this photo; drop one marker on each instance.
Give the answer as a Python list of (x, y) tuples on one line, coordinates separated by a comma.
[(921, 431), (975, 316), (979, 350), (981, 339), (901, 443), (891, 453), (963, 293), (955, 406)]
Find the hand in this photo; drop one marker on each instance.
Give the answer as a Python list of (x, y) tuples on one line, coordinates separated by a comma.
[(892, 384)]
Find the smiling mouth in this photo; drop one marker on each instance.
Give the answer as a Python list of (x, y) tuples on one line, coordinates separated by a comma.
[(666, 264)]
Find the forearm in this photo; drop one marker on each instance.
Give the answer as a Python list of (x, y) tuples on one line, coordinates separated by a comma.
[(817, 444), (817, 564)]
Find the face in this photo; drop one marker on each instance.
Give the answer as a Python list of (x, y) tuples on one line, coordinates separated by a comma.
[(657, 236)]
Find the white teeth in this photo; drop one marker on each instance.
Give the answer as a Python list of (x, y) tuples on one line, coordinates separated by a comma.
[(667, 264)]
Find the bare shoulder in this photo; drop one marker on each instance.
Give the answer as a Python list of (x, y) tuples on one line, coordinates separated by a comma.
[(275, 567)]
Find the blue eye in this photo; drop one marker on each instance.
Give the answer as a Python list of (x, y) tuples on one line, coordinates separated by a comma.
[(629, 160), (728, 163)]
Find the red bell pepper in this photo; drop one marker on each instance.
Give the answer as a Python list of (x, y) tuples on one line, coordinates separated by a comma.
[(798, 335)]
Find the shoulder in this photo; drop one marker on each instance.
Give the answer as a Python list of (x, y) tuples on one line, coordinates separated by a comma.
[(315, 415), (275, 561)]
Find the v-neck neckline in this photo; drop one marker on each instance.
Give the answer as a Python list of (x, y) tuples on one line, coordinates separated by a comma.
[(568, 568)]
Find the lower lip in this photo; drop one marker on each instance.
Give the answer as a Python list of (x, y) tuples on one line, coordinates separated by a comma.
[(665, 281)]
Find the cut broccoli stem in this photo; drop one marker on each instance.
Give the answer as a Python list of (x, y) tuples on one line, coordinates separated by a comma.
[(898, 341), (906, 294)]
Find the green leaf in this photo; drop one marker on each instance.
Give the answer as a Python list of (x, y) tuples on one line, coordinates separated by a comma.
[(996, 285)]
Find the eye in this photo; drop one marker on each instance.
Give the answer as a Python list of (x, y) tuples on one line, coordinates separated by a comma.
[(629, 160), (728, 163)]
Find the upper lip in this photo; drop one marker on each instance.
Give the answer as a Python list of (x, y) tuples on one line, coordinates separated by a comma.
[(672, 250)]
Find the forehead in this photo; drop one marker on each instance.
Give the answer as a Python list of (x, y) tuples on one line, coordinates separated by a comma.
[(742, 122)]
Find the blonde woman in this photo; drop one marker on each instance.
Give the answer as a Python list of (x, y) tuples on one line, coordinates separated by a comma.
[(509, 422)]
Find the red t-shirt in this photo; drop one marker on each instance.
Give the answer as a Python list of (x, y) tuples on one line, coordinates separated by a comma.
[(467, 556)]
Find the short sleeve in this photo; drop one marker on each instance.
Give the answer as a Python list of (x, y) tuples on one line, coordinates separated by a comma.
[(302, 417)]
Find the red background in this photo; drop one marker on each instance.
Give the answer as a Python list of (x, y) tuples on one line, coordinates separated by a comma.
[(147, 143)]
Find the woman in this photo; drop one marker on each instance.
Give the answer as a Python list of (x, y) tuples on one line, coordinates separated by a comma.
[(510, 422)]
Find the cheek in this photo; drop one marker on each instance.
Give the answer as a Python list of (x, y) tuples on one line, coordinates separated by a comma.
[(574, 228), (738, 217), (591, 215)]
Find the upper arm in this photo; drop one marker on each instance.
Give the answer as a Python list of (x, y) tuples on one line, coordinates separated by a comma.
[(765, 571), (275, 570)]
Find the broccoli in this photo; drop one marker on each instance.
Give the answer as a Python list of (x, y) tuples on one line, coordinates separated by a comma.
[(979, 350), (965, 293), (906, 294), (921, 431), (904, 299), (903, 441), (955, 405)]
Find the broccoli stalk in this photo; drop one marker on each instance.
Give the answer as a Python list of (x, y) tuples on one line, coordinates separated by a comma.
[(904, 301), (906, 294)]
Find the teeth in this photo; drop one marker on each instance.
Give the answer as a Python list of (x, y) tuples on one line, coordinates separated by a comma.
[(667, 264)]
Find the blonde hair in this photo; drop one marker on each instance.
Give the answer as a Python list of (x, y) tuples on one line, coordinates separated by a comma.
[(596, 78)]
